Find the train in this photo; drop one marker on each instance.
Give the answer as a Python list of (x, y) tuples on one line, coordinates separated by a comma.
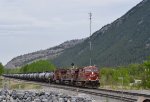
[(82, 77)]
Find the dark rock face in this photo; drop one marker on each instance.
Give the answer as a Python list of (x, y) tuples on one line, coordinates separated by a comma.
[(42, 54), (29, 96)]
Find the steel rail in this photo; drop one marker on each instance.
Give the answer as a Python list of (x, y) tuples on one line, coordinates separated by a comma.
[(126, 93)]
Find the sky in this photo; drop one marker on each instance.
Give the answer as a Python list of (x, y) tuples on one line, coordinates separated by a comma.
[(31, 25)]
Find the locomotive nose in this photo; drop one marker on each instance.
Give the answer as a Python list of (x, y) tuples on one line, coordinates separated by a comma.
[(93, 75)]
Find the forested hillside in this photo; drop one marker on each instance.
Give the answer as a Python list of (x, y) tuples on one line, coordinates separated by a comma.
[(125, 41)]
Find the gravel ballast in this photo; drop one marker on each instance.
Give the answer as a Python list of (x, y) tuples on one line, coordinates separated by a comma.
[(34, 96)]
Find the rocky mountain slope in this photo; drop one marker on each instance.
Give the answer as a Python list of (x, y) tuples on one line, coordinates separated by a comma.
[(42, 54), (125, 41)]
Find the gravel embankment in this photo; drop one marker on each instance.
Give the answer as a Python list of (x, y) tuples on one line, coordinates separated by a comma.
[(71, 96), (41, 96)]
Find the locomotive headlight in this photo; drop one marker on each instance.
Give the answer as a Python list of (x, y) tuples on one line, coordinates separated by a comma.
[(92, 73)]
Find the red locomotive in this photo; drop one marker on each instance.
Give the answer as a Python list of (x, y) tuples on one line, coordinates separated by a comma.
[(85, 77)]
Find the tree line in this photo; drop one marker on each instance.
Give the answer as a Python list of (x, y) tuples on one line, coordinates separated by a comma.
[(128, 74), (38, 66)]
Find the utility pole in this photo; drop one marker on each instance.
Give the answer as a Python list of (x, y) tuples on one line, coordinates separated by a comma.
[(90, 14)]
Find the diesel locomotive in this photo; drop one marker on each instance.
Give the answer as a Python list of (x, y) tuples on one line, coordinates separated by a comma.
[(82, 77)]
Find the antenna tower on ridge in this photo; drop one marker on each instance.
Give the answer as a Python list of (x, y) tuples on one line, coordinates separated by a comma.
[(90, 14)]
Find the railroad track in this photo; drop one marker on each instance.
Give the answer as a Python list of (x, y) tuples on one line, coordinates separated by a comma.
[(118, 95), (98, 92)]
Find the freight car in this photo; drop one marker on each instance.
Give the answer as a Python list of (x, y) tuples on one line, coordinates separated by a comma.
[(85, 76)]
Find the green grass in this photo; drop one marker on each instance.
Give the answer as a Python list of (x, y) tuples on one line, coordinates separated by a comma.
[(16, 84)]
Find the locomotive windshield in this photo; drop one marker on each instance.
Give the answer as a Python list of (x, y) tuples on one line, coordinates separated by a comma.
[(91, 70)]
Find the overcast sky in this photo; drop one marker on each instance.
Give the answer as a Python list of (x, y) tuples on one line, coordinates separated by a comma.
[(31, 25)]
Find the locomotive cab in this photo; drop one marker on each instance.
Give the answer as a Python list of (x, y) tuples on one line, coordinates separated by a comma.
[(91, 74)]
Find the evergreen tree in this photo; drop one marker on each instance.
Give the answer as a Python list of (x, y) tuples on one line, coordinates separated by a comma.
[(1, 69)]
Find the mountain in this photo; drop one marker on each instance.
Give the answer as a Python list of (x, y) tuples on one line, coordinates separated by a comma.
[(124, 41), (42, 54)]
